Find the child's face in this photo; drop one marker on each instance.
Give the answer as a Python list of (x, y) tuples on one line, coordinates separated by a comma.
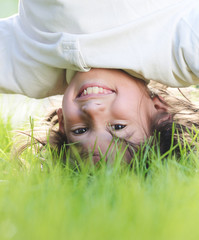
[(102, 103)]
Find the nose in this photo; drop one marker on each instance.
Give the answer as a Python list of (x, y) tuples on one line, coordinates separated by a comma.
[(93, 109)]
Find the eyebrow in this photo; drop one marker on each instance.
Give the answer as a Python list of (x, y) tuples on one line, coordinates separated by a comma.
[(120, 140), (125, 140), (125, 137)]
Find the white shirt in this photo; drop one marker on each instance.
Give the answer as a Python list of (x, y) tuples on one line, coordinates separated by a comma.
[(149, 39)]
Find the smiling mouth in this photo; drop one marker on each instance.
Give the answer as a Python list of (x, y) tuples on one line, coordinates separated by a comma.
[(94, 90)]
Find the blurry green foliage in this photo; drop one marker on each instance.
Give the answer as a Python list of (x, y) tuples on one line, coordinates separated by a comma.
[(8, 7)]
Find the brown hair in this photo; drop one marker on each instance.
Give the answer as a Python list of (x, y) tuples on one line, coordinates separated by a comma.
[(181, 124), (181, 128)]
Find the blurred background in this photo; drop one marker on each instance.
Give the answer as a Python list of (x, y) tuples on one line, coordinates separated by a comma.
[(8, 7)]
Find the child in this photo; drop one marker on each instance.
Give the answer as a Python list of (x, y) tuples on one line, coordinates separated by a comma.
[(102, 104), (48, 41)]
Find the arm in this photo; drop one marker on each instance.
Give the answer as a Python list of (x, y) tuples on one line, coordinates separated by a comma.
[(23, 71)]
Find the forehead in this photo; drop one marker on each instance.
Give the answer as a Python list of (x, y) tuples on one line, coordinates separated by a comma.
[(117, 148)]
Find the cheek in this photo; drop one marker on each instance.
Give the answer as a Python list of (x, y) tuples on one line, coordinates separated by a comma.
[(70, 113), (126, 107)]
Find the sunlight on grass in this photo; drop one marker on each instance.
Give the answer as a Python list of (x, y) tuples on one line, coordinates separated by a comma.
[(42, 198), (107, 202)]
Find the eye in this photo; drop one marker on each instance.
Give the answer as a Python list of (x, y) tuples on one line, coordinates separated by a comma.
[(117, 127), (79, 131)]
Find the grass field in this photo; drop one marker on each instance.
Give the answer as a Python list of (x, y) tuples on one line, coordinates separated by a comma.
[(111, 202)]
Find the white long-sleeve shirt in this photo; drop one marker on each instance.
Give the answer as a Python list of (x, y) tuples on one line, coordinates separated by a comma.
[(149, 39)]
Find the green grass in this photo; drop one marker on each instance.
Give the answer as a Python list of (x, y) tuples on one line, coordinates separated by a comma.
[(111, 202)]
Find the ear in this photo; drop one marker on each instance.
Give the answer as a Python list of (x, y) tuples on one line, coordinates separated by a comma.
[(161, 108), (159, 104), (60, 120)]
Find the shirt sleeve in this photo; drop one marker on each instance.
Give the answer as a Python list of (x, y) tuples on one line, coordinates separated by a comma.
[(186, 49), (155, 40), (23, 71)]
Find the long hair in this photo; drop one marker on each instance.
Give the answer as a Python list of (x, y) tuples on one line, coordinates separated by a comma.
[(182, 126)]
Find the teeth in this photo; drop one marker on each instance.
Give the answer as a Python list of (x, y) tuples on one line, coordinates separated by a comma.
[(89, 90), (101, 90), (95, 90)]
